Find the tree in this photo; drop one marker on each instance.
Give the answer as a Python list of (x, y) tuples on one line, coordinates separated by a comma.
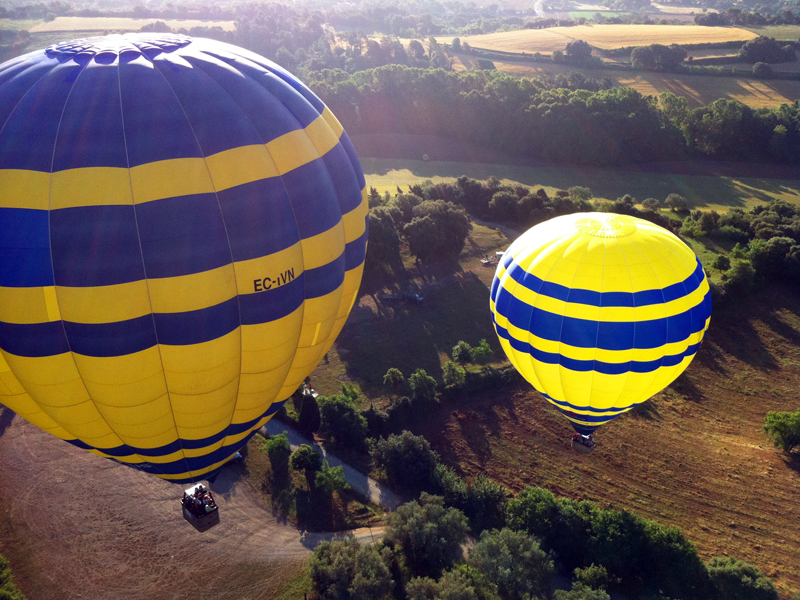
[(394, 377), (278, 449), (305, 459), (384, 241), (762, 70), (733, 579), (485, 504), (407, 460), (593, 576), (346, 570), (784, 429), (581, 591), (463, 353), (657, 57), (484, 64), (741, 277), (453, 585), (438, 230), (429, 534), (423, 386), (308, 417), (578, 193), (456, 44), (330, 479), (341, 422), (651, 204), (578, 51), (721, 263), (514, 562), (766, 49), (452, 375), (677, 203)]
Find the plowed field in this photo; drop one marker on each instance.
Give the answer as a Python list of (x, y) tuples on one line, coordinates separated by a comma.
[(693, 457)]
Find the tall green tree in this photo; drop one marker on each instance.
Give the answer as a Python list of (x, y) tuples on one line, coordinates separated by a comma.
[(346, 570), (784, 429)]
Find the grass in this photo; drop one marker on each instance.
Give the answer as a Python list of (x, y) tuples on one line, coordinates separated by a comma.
[(19, 24), (779, 32), (298, 587), (703, 192), (119, 23), (605, 36)]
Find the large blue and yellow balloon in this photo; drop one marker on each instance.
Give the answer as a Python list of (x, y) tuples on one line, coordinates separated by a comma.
[(599, 312), (182, 235)]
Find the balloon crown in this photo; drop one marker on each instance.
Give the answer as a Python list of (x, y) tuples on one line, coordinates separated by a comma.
[(128, 45)]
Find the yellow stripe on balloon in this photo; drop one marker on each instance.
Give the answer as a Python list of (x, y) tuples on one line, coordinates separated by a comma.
[(24, 189), (95, 186), (192, 292)]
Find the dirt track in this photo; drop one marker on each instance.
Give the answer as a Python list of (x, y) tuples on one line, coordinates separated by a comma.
[(79, 526)]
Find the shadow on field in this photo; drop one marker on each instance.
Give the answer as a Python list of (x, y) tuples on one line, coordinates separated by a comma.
[(735, 335), (6, 416), (411, 335)]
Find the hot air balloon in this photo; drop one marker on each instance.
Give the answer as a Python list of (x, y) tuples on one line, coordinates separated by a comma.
[(182, 235), (599, 312)]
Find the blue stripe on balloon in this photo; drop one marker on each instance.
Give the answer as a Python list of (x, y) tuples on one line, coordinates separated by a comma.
[(111, 339), (567, 407), (33, 340), (259, 218), (182, 235), (325, 279), (344, 140), (313, 198), (340, 169), (148, 105), (189, 444), (25, 248), (95, 246), (355, 252), (606, 368), (273, 304), (197, 326), (90, 132), (606, 299), (606, 335)]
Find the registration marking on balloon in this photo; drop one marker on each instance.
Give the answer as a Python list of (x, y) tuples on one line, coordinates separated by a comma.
[(267, 283)]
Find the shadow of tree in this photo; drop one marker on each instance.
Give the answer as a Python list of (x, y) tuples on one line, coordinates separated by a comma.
[(6, 417)]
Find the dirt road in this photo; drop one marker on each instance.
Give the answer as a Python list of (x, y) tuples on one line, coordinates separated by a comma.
[(77, 526)]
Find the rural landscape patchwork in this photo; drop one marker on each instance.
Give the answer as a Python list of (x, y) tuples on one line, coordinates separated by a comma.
[(408, 300)]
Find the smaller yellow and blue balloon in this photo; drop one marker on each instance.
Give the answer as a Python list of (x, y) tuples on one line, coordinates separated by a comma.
[(599, 312)]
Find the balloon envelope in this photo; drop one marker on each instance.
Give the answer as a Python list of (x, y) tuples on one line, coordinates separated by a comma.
[(182, 235), (599, 312)]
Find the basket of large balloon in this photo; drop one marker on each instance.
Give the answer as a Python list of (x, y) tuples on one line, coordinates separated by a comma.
[(599, 312)]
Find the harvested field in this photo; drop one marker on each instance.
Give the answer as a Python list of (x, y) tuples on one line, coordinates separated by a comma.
[(699, 90), (604, 36), (120, 23), (779, 32)]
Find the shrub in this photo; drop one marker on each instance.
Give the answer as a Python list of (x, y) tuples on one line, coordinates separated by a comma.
[(330, 479), (408, 462), (721, 263), (423, 386), (733, 579), (677, 203), (341, 423), (482, 351), (593, 576), (514, 562), (429, 534), (485, 504), (484, 64), (346, 570), (394, 378), (784, 429), (581, 591), (463, 353), (8, 589), (762, 70), (305, 459), (278, 449), (453, 585), (452, 374)]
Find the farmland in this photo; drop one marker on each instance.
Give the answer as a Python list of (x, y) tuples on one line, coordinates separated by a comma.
[(603, 36), (708, 192), (119, 24)]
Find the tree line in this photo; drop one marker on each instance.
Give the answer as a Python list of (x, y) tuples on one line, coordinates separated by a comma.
[(532, 119)]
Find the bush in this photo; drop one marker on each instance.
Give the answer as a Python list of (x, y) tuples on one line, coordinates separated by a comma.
[(463, 353), (721, 263), (485, 504), (762, 70), (453, 585), (8, 589), (733, 579), (394, 378), (278, 448), (514, 562), (429, 534), (341, 423), (452, 374), (408, 462), (784, 429), (484, 64), (423, 386), (677, 203), (305, 459), (581, 591), (348, 571), (482, 351), (330, 479), (594, 576)]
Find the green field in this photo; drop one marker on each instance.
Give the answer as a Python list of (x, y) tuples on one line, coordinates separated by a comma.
[(779, 32), (19, 24), (704, 192)]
